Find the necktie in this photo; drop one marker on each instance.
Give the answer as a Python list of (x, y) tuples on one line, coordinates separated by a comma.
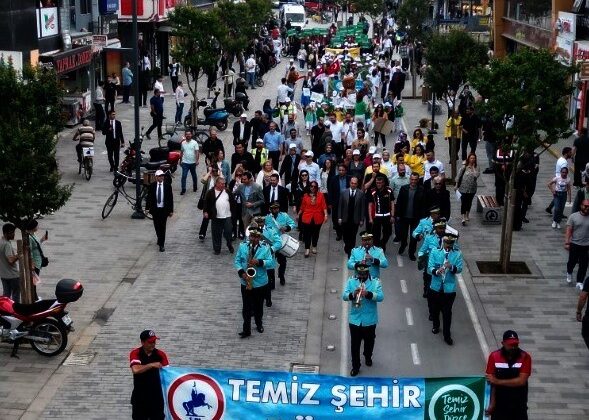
[(273, 197), (159, 193), (352, 193)]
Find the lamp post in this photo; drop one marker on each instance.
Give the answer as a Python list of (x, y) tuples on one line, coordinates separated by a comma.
[(138, 213)]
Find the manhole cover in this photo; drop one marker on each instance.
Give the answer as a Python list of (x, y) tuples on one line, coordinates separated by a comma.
[(79, 359), (300, 368)]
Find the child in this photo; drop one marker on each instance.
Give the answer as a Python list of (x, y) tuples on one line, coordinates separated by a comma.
[(310, 117)]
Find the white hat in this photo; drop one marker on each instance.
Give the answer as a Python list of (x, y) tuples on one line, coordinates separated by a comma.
[(244, 115), (309, 153), (356, 152), (260, 141), (159, 172), (376, 155), (292, 60), (387, 104), (372, 149), (372, 61), (287, 99), (292, 146)]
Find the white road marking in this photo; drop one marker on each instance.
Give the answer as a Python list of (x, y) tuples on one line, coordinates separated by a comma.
[(399, 261), (415, 354), (473, 315), (344, 348), (409, 316), (403, 286)]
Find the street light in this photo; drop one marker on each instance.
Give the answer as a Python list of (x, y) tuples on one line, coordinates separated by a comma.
[(138, 213)]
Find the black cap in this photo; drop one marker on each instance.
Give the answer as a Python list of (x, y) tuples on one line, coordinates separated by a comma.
[(148, 335), (510, 336), (361, 267)]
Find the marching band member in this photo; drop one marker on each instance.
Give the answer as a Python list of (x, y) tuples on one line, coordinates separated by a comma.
[(367, 253), (283, 223), (270, 236), (252, 261), (426, 225), (432, 241), (443, 265), (363, 292)]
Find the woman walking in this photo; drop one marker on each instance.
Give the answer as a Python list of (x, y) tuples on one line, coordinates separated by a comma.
[(467, 186), (560, 186), (238, 227), (313, 214)]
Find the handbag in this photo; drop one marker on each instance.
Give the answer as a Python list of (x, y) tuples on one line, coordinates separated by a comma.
[(44, 259), (201, 201)]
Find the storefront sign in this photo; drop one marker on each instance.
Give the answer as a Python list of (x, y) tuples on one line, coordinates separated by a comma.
[(108, 6), (564, 50), (566, 25), (13, 58), (47, 22), (581, 51), (109, 25), (192, 393), (67, 61), (584, 72), (99, 42)]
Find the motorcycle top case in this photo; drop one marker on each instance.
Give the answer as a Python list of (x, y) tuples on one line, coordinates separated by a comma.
[(68, 290)]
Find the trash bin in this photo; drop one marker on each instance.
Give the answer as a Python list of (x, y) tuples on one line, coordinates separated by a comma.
[(426, 94)]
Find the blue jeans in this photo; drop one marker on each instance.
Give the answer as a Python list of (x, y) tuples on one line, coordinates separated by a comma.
[(185, 168), (560, 198), (251, 79), (179, 110)]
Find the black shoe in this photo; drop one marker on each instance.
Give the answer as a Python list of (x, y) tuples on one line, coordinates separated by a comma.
[(435, 330), (217, 252), (424, 294), (268, 303), (547, 210), (354, 372), (282, 281), (111, 169), (396, 240), (430, 317), (244, 334), (412, 257), (194, 189), (147, 136), (338, 238), (230, 248), (162, 249), (525, 220), (489, 171), (449, 340), (369, 361), (201, 237), (260, 329), (182, 192), (401, 250)]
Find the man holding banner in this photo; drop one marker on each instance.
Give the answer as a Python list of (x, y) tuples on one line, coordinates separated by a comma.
[(363, 291)]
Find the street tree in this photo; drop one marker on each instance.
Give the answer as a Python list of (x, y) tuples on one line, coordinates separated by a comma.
[(198, 36), (29, 123), (529, 89), (372, 8), (450, 57)]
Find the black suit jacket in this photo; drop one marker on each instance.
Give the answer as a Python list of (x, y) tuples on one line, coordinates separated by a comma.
[(168, 199), (113, 137), (282, 198), (419, 205), (286, 169), (246, 157), (247, 131), (440, 199), (334, 190), (359, 206)]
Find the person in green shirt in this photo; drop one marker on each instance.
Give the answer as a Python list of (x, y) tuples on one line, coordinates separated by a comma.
[(36, 251)]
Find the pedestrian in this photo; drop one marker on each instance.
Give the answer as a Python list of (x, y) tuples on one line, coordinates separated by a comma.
[(260, 155), (211, 146), (85, 135), (283, 223), (156, 104), (312, 213), (350, 214), (242, 157), (508, 370), (238, 227), (471, 132), (208, 181), (189, 160), (110, 94), (363, 292), (174, 68), (577, 243), (271, 236), (159, 85), (443, 265), (381, 211), (9, 273), (100, 115), (275, 193), (160, 203), (146, 361), (252, 260), (252, 198), (289, 169), (580, 318), (38, 259), (560, 187), (179, 94), (409, 211), (218, 206), (335, 186), (369, 254), (242, 130), (311, 167), (561, 162), (453, 133), (222, 164), (432, 240), (580, 154), (114, 140), (273, 142), (127, 82), (430, 162), (250, 71), (467, 186), (490, 139)]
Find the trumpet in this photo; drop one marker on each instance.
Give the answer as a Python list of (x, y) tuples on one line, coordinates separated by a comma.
[(358, 301), (367, 257)]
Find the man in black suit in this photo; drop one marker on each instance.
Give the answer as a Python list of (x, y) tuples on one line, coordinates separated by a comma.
[(113, 130), (275, 192), (438, 196), (242, 131), (242, 156), (256, 130), (409, 212), (350, 214), (160, 203), (335, 185), (290, 167)]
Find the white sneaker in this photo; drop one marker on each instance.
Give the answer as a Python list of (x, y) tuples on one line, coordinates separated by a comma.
[(558, 225), (553, 225), (569, 278), (579, 286)]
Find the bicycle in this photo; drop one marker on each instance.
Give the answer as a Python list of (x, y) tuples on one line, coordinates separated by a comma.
[(119, 184)]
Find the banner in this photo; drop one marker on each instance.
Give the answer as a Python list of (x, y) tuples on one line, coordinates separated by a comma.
[(207, 394)]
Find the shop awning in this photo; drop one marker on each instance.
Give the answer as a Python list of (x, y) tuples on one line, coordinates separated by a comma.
[(66, 61)]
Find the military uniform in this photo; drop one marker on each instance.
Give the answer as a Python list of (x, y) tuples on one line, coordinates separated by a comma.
[(281, 221), (379, 260)]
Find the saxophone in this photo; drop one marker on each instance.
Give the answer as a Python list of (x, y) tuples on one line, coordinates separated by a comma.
[(250, 272)]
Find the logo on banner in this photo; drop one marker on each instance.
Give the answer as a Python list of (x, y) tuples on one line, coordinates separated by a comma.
[(454, 402), (196, 396)]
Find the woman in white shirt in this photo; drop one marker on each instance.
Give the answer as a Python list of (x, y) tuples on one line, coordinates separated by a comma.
[(263, 177), (560, 186)]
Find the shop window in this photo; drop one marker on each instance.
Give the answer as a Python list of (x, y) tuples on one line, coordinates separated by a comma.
[(533, 12), (85, 7)]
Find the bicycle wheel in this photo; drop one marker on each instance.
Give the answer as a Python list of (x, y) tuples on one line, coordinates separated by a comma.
[(201, 136), (144, 194), (110, 204), (88, 168), (259, 82)]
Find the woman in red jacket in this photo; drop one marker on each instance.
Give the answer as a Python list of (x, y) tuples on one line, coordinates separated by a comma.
[(313, 213)]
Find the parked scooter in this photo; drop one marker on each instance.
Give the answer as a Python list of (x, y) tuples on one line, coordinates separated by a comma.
[(45, 323), (213, 116), (161, 157)]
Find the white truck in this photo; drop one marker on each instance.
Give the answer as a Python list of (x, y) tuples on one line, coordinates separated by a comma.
[(295, 13)]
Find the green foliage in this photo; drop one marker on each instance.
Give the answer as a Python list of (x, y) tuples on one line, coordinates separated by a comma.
[(372, 8), (450, 57), (242, 20), (29, 123), (532, 87), (413, 15), (260, 12)]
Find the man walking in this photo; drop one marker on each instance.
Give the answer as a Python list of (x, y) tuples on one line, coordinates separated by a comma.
[(252, 198), (409, 208), (174, 68), (157, 113), (99, 106), (218, 206), (242, 130), (577, 243), (273, 141), (381, 211), (275, 193), (250, 71), (335, 186), (350, 214), (8, 264), (584, 319), (160, 203), (113, 130), (146, 361), (367, 253), (179, 95), (127, 82), (189, 157)]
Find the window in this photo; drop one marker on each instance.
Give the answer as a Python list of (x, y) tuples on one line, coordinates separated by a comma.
[(85, 7)]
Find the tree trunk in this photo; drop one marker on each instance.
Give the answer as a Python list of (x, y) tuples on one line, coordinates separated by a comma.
[(507, 226), (25, 268)]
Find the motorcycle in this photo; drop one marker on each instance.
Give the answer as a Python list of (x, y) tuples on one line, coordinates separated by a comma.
[(213, 116), (165, 158), (45, 324)]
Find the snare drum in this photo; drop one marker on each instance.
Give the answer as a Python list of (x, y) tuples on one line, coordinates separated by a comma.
[(290, 245)]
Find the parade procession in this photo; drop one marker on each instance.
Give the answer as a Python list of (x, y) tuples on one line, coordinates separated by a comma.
[(263, 209)]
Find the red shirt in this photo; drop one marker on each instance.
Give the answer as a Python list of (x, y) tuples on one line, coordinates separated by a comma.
[(146, 385), (510, 400), (314, 212)]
